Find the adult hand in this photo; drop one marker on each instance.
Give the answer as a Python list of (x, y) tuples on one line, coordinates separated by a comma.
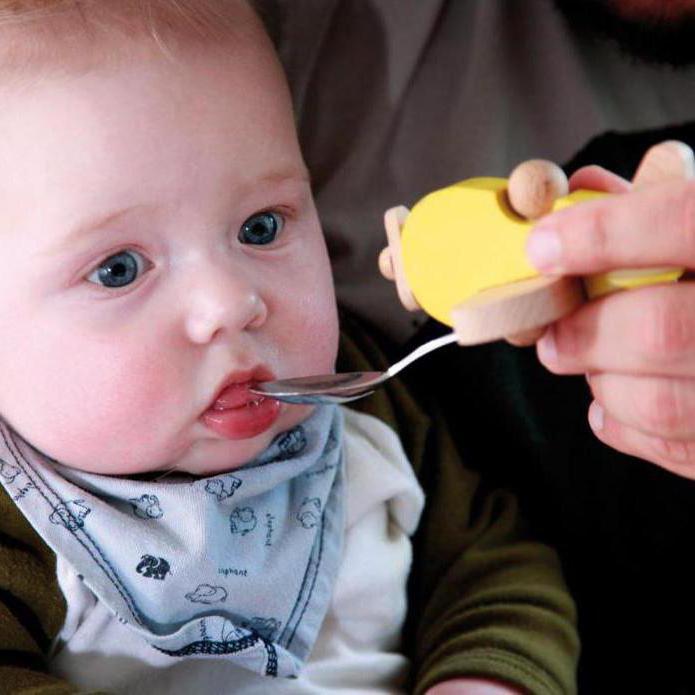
[(637, 347)]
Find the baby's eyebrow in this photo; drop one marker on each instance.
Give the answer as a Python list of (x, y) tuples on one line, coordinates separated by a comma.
[(289, 175), (294, 174), (89, 226)]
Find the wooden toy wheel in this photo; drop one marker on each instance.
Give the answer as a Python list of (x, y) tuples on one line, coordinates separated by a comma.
[(516, 308), (391, 258)]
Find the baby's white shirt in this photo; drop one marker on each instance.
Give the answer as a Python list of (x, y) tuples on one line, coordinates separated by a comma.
[(357, 650)]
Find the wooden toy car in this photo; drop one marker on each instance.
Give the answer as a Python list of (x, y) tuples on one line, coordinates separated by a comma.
[(459, 254)]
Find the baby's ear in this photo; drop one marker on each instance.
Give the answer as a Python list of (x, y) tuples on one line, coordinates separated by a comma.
[(391, 257)]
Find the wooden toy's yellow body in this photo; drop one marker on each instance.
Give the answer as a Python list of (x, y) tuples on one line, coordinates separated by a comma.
[(465, 238)]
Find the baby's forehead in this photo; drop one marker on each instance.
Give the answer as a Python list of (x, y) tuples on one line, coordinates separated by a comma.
[(114, 138), (69, 35)]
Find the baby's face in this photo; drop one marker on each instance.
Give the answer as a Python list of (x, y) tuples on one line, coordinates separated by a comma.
[(161, 252)]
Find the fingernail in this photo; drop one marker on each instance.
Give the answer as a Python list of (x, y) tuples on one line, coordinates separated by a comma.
[(596, 417), (547, 347), (544, 249)]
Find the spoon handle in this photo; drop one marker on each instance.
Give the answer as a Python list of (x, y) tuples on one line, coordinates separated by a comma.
[(419, 352)]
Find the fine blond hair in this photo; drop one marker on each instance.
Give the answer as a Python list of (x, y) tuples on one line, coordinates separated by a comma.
[(207, 18), (46, 31)]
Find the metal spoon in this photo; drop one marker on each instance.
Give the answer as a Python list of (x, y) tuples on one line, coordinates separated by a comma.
[(345, 387)]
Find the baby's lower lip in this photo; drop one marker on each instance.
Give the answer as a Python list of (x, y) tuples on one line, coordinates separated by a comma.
[(239, 414)]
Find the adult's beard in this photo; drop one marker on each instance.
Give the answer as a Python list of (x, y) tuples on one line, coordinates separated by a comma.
[(660, 36)]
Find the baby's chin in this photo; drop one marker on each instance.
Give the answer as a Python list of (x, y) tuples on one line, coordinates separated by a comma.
[(211, 455), (216, 456), (201, 452)]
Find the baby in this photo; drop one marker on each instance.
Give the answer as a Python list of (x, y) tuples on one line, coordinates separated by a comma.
[(163, 529)]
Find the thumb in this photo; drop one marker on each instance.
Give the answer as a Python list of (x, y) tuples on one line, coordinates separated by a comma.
[(651, 227)]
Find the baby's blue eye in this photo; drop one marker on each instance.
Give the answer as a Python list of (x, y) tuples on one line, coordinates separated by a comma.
[(119, 270), (261, 228)]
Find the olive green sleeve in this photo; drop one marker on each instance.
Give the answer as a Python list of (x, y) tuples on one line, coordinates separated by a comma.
[(485, 600), (32, 608)]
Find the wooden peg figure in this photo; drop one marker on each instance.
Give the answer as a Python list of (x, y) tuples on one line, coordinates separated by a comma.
[(460, 253), (534, 186)]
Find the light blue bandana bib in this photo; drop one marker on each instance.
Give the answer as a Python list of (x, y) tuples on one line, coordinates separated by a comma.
[(239, 565)]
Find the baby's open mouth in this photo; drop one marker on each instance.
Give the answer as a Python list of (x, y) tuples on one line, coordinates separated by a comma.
[(236, 413)]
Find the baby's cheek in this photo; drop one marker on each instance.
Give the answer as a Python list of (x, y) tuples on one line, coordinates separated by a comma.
[(314, 316), (314, 336), (143, 408), (111, 411)]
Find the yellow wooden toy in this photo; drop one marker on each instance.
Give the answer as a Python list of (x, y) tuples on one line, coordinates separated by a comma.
[(460, 253), (479, 244)]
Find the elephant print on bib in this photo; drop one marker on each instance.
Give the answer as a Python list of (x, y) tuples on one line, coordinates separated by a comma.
[(153, 567)]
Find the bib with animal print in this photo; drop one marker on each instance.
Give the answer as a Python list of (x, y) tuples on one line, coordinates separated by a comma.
[(238, 566)]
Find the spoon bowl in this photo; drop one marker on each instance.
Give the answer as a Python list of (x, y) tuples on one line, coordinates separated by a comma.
[(343, 387)]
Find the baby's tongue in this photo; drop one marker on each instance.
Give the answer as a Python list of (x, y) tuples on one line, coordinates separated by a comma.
[(235, 396), (239, 414)]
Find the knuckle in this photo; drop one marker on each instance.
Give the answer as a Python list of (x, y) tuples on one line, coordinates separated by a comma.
[(686, 220), (662, 410), (674, 451), (598, 241), (572, 339), (666, 330)]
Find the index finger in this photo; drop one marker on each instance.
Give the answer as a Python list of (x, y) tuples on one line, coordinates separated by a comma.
[(652, 226), (596, 178)]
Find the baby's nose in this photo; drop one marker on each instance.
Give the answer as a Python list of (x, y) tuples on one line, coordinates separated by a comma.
[(223, 301)]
